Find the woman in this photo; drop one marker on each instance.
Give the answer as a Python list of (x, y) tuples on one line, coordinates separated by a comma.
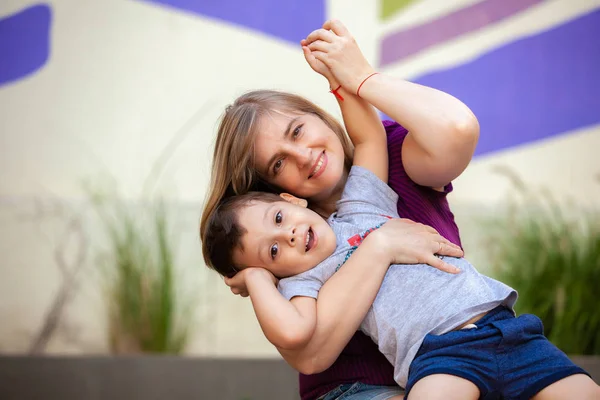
[(275, 141)]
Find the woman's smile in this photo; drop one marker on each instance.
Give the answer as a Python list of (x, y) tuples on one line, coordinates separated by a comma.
[(319, 166)]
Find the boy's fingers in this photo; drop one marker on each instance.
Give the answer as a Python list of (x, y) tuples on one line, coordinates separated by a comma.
[(306, 52), (319, 55), (309, 57)]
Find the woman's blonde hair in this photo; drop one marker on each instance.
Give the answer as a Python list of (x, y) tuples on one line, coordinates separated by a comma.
[(233, 171)]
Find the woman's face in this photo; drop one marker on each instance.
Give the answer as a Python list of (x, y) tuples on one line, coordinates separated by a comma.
[(300, 154)]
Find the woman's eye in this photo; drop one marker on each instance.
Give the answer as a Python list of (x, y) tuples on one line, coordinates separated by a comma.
[(277, 165), (296, 132), (274, 249), (278, 217)]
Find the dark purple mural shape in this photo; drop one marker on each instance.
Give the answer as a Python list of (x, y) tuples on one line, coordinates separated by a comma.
[(290, 20), (24, 42), (533, 88)]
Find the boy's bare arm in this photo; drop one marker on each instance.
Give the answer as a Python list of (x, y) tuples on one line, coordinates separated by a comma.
[(286, 324), (361, 120), (366, 132)]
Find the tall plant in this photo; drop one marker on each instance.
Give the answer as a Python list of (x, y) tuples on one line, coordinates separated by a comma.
[(147, 312), (551, 255)]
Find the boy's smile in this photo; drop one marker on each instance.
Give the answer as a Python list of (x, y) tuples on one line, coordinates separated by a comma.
[(286, 239)]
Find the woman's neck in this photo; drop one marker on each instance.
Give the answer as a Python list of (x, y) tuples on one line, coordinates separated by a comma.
[(327, 206)]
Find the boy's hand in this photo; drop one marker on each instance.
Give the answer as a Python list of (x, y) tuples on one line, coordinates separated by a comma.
[(317, 65), (237, 283), (335, 47)]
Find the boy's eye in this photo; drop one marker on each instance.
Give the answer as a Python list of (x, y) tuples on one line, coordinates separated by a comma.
[(274, 250), (278, 217)]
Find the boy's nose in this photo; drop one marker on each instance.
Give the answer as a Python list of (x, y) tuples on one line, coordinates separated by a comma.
[(292, 239)]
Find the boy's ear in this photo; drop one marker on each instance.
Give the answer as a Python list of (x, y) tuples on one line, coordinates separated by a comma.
[(294, 200)]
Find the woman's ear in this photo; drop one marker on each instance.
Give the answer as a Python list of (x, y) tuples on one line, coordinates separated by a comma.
[(294, 200)]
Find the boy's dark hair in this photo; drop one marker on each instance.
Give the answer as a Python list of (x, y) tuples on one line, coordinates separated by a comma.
[(224, 232)]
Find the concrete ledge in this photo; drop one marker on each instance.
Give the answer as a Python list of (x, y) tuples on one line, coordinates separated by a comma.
[(159, 377), (145, 377)]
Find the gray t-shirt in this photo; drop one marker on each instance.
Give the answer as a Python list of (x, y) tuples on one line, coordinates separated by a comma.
[(414, 300)]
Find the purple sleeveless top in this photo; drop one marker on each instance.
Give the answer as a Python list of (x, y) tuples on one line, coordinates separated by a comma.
[(361, 361)]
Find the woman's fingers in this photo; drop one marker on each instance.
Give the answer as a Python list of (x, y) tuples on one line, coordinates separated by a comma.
[(319, 34), (439, 239), (450, 250), (319, 45), (440, 264), (442, 246), (337, 27)]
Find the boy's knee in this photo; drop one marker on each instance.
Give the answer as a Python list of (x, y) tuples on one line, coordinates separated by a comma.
[(446, 387)]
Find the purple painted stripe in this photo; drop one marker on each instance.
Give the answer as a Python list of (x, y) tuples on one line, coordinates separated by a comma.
[(531, 89), (290, 20), (405, 43), (24, 42)]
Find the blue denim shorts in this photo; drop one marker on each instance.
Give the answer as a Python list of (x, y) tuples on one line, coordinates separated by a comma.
[(362, 391), (504, 356)]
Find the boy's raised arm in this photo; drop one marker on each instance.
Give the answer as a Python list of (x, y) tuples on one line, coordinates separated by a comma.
[(360, 118), (367, 134)]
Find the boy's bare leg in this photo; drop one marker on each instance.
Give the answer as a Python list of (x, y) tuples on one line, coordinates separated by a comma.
[(446, 387), (578, 386)]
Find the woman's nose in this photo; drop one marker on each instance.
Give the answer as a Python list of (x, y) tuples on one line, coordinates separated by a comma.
[(302, 156)]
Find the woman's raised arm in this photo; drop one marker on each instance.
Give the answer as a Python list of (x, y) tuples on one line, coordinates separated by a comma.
[(443, 132)]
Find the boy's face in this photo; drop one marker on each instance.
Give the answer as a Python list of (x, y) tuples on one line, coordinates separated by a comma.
[(284, 238)]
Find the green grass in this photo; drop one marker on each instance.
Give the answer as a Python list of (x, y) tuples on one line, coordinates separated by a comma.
[(550, 253), (145, 312)]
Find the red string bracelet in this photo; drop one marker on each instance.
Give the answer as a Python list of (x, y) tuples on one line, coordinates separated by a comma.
[(363, 82), (336, 93)]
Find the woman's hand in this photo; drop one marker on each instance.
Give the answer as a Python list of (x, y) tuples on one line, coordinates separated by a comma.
[(237, 283), (334, 46), (408, 242)]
